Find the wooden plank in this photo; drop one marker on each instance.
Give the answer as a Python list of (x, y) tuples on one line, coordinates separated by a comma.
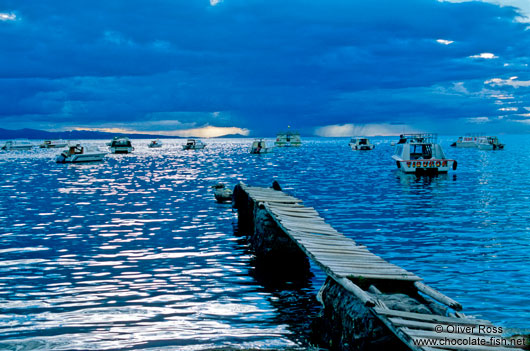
[(309, 230), (337, 238), (308, 224), (331, 240), (438, 296), (360, 264), (338, 249), (287, 212), (310, 227), (369, 270), (404, 277), (286, 201), (295, 208), (400, 322), (430, 317), (295, 215), (355, 290), (361, 256)]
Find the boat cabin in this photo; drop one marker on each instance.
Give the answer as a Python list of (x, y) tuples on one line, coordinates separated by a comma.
[(421, 153), (288, 139)]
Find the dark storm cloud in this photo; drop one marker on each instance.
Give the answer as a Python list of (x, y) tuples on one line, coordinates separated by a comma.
[(263, 64)]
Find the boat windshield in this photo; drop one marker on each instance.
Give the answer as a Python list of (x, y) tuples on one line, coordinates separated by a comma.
[(420, 151)]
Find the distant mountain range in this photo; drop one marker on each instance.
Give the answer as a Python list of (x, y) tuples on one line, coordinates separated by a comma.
[(27, 133)]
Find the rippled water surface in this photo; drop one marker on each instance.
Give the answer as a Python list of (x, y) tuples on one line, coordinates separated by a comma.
[(134, 253)]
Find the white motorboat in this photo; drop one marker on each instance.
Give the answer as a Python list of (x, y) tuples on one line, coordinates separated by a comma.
[(17, 145), (121, 145), (260, 147), (467, 141), (80, 153), (52, 144), (193, 144), (288, 139), (361, 144), (155, 143), (489, 143), (420, 153)]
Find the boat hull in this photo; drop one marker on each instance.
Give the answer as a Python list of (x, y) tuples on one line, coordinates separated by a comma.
[(426, 166), (52, 146), (465, 144), (287, 144), (121, 149), (264, 150), (185, 147), (484, 146), (17, 148), (80, 158), (362, 147)]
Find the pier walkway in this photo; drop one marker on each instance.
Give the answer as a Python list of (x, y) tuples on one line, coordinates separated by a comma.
[(346, 262)]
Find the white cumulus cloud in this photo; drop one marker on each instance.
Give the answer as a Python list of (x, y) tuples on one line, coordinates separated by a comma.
[(485, 56)]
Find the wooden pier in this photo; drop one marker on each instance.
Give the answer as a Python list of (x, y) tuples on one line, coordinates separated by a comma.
[(374, 282)]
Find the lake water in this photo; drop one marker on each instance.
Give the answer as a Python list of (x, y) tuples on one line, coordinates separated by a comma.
[(134, 252)]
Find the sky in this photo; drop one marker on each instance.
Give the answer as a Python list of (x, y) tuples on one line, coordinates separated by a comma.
[(255, 67)]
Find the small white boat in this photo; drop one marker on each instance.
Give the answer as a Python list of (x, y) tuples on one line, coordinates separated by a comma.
[(121, 145), (80, 153), (489, 143), (49, 144), (155, 143), (17, 145), (288, 139), (260, 147), (193, 144), (222, 193), (467, 141), (420, 153), (361, 144)]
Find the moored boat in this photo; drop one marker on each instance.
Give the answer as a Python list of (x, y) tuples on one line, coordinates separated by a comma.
[(155, 143), (53, 144), (260, 147), (420, 153), (288, 139), (193, 144), (361, 144), (80, 153), (121, 145), (17, 145), (467, 141), (489, 143)]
